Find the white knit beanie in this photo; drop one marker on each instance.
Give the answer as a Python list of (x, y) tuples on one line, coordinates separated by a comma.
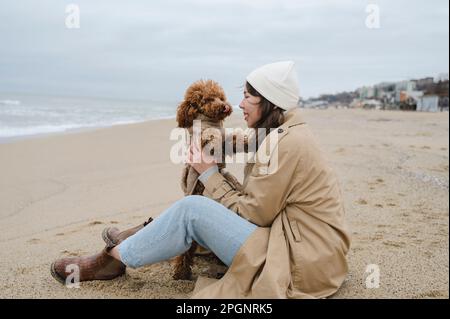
[(278, 83)]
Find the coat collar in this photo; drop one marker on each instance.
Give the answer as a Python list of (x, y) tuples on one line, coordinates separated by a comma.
[(292, 118)]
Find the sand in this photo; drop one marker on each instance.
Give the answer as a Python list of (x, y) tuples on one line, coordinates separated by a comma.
[(58, 192)]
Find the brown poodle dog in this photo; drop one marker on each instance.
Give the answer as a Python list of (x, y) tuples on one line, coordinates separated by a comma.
[(204, 100)]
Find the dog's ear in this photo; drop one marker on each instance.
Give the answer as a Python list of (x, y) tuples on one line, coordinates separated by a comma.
[(186, 114)]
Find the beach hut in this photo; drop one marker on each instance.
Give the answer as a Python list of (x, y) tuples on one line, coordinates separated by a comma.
[(428, 103)]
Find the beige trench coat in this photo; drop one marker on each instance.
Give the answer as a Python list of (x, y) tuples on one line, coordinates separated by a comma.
[(299, 249)]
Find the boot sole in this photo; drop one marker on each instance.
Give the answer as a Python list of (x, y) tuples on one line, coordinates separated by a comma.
[(56, 275), (106, 239), (63, 281)]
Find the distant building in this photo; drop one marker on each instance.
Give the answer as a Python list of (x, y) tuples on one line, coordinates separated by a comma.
[(384, 90), (372, 104), (405, 86), (428, 103), (356, 104), (366, 92), (318, 104), (442, 77), (421, 84), (414, 95), (443, 103), (419, 94)]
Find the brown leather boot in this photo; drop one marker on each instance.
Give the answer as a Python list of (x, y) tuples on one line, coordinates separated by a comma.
[(112, 236), (100, 266)]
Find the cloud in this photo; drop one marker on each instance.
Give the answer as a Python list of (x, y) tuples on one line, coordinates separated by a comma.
[(154, 50)]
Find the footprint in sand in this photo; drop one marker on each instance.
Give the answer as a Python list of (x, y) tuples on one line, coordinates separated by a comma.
[(428, 254), (394, 244), (71, 253), (136, 284), (96, 222), (34, 241), (377, 182), (23, 270), (427, 134), (377, 236), (433, 294), (361, 201), (379, 205)]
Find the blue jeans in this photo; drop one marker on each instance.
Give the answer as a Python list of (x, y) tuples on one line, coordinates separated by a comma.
[(194, 217)]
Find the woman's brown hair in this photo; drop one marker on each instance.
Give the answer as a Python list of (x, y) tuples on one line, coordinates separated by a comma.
[(271, 115)]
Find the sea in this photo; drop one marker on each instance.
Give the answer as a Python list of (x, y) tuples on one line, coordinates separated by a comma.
[(27, 115)]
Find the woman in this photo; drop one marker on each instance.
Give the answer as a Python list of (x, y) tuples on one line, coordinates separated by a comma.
[(283, 235)]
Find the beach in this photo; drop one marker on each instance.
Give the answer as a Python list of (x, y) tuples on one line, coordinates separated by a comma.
[(58, 192)]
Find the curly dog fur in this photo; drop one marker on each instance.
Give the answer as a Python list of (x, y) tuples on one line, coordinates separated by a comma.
[(204, 100)]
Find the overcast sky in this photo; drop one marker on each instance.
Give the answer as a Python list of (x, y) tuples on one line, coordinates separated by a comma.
[(148, 50)]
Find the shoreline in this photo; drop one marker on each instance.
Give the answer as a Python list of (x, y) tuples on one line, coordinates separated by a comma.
[(12, 139)]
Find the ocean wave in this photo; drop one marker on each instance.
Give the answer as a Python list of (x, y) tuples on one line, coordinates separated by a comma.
[(8, 132), (34, 130), (9, 102), (35, 115)]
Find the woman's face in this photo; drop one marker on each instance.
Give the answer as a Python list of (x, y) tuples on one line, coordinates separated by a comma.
[(250, 107)]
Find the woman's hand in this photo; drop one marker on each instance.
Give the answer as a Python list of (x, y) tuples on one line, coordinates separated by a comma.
[(199, 160)]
